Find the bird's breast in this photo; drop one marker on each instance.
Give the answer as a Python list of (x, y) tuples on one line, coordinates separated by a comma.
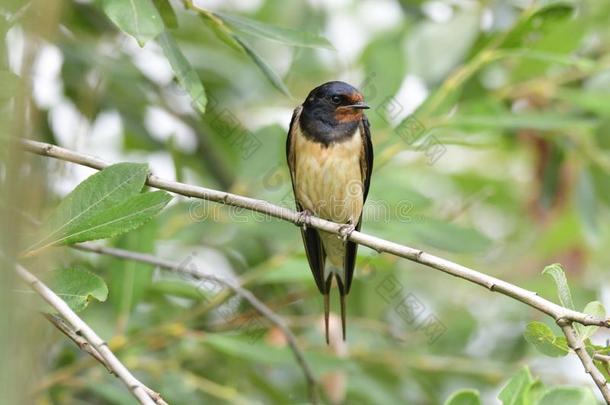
[(328, 177)]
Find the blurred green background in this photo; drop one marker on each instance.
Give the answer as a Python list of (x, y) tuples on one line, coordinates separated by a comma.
[(490, 122)]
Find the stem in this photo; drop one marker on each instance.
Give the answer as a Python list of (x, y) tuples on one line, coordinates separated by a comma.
[(575, 344)]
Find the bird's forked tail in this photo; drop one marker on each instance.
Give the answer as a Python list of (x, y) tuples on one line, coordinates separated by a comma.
[(342, 294)]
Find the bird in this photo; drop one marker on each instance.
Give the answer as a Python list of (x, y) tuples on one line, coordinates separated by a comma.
[(330, 158)]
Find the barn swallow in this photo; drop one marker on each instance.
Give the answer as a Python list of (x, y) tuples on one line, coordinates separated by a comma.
[(330, 156)]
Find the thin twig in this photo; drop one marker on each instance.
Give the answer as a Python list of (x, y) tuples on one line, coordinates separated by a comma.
[(576, 344), (80, 328), (84, 345), (602, 357), (558, 313), (81, 342), (194, 272)]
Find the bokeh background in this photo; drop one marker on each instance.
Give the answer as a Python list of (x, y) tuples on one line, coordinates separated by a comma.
[(490, 122)]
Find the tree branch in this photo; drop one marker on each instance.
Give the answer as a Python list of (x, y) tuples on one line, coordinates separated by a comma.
[(558, 313), (84, 345), (602, 357), (194, 272), (576, 344), (81, 342), (381, 245), (143, 394)]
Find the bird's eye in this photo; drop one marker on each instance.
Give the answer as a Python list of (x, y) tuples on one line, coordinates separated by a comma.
[(335, 99)]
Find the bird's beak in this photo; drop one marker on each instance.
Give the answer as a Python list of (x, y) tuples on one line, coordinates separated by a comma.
[(361, 105)]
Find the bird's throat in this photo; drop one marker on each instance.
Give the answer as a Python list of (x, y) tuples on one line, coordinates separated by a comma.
[(327, 129)]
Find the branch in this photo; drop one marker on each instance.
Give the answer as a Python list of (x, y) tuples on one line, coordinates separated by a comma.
[(558, 313), (575, 344), (84, 345), (81, 342), (144, 395), (381, 245), (194, 272)]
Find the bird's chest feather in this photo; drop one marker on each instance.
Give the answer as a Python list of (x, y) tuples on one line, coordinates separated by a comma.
[(328, 178)]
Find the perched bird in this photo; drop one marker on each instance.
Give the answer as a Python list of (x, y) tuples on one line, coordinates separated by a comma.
[(330, 156)]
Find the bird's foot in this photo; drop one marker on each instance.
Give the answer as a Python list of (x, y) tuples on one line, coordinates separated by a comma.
[(346, 230), (303, 219)]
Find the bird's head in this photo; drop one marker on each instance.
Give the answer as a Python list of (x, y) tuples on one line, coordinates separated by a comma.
[(335, 103)]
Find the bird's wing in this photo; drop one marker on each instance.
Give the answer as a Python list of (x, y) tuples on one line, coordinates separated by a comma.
[(311, 238), (366, 157), (366, 169)]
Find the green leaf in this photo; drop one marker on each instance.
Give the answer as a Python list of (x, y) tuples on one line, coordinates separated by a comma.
[(186, 75), (555, 57), (593, 100), (138, 18), (516, 389), (271, 75), (178, 288), (534, 21), (251, 347), (596, 309), (282, 35), (77, 287), (243, 349), (229, 37), (509, 120), (222, 31), (534, 392), (568, 395), (167, 13), (124, 217), (464, 397), (586, 206), (554, 37), (448, 236), (101, 191), (289, 271), (542, 337), (551, 176), (602, 366), (563, 289), (130, 279)]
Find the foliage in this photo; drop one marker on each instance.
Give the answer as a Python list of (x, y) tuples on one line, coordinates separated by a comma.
[(523, 389), (105, 205), (490, 126), (77, 287)]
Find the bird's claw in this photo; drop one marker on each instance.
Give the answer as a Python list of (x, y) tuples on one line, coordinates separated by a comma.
[(303, 219), (345, 231)]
